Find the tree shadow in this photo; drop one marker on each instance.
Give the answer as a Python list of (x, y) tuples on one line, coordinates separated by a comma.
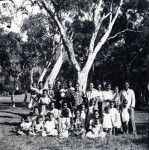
[(19, 114), (10, 123), (6, 117)]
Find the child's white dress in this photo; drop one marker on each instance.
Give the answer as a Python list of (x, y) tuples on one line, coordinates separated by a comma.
[(50, 127), (125, 115), (25, 125), (55, 112), (64, 125), (107, 121), (96, 132), (115, 115)]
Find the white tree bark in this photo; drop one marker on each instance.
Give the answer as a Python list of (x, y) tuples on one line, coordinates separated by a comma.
[(51, 78), (44, 73), (93, 50)]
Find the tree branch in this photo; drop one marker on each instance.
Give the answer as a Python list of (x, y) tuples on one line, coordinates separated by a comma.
[(67, 43), (123, 31)]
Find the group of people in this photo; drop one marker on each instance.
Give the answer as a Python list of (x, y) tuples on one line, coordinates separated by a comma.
[(95, 113)]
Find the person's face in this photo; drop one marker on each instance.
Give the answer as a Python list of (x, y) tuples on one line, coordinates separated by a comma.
[(126, 85), (45, 93), (34, 85), (104, 83), (51, 116), (116, 89), (28, 119), (96, 115), (111, 105), (62, 94), (77, 87), (40, 85), (36, 111), (91, 86), (43, 108), (70, 84), (65, 105), (108, 87), (52, 106), (97, 122), (91, 102), (107, 111), (99, 87), (77, 114), (39, 120), (58, 84), (82, 107)]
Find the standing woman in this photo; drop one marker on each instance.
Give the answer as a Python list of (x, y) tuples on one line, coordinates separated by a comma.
[(107, 96), (116, 98)]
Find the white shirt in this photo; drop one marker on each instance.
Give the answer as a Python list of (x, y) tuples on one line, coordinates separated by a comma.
[(55, 112), (100, 95), (108, 95), (45, 100), (129, 95), (91, 94)]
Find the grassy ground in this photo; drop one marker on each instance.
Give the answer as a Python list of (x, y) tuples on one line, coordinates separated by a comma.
[(9, 118)]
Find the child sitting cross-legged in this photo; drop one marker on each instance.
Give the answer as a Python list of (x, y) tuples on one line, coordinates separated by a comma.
[(50, 126), (64, 124), (78, 125), (25, 125), (96, 131), (37, 126)]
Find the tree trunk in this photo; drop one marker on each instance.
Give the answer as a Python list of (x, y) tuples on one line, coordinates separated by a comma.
[(51, 78), (44, 73), (12, 97), (82, 80), (25, 96)]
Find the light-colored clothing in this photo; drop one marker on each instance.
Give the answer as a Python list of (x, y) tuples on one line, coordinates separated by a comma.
[(125, 115), (64, 125), (107, 95), (50, 127), (129, 95), (107, 121), (25, 125), (45, 100), (55, 113), (96, 132), (99, 96), (115, 115), (91, 94)]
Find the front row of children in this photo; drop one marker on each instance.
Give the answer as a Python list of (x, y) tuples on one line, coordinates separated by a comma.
[(49, 121)]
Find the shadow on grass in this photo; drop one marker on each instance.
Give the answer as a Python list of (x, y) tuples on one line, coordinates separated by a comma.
[(10, 123), (10, 112), (6, 117)]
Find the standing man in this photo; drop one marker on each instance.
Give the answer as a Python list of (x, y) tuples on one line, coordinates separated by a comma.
[(92, 93), (77, 97), (129, 95)]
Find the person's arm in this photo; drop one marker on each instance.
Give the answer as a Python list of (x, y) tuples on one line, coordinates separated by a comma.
[(133, 99)]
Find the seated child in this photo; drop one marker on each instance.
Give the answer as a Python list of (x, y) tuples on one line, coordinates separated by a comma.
[(53, 110), (65, 106), (50, 126), (107, 121), (45, 99), (125, 116), (83, 112), (78, 124), (91, 110), (96, 130), (37, 126), (35, 113), (43, 110), (64, 124), (25, 125), (116, 119)]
